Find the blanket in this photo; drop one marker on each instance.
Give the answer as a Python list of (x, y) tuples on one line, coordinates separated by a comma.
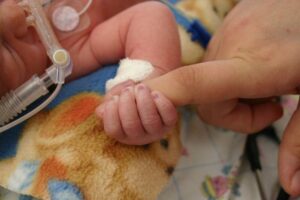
[(62, 153)]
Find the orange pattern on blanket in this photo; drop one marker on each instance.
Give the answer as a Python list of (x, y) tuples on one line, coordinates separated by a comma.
[(71, 145), (77, 111), (51, 168)]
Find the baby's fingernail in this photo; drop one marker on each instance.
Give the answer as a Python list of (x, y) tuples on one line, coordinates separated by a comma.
[(115, 98), (128, 89), (140, 87), (100, 110), (296, 181), (155, 95)]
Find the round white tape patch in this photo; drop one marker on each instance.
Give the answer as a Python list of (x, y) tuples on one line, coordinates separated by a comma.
[(65, 18)]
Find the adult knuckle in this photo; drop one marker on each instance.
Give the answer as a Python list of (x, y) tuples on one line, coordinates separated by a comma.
[(205, 114), (188, 76)]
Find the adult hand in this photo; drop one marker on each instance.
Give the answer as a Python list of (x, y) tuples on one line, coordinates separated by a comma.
[(255, 54)]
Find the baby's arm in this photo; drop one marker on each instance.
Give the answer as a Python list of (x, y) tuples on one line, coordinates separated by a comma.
[(148, 32), (110, 8), (136, 115)]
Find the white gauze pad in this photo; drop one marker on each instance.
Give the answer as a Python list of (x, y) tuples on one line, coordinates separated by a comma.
[(135, 70)]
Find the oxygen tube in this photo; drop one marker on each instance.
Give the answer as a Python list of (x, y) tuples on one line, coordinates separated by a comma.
[(15, 102)]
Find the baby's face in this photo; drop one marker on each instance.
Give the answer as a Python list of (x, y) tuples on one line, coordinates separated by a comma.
[(21, 52)]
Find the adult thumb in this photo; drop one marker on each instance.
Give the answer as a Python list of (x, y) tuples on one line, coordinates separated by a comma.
[(289, 156), (176, 85)]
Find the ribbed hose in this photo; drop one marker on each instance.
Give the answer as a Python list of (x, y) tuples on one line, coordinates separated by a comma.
[(15, 102), (10, 107)]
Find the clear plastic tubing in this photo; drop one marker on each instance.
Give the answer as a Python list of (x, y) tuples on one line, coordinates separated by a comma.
[(15, 102)]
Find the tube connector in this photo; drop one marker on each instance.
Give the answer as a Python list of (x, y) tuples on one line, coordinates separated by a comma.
[(17, 101)]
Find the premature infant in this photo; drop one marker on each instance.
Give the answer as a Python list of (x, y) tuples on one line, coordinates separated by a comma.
[(118, 29)]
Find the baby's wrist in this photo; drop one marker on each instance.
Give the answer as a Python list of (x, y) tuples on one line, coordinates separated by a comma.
[(131, 69)]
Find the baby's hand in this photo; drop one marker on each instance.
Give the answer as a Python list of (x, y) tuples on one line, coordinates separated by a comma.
[(137, 115)]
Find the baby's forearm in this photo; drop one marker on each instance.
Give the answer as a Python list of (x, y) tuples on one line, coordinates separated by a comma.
[(147, 31), (112, 7), (153, 36)]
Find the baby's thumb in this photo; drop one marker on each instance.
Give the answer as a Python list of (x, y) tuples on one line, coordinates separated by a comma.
[(289, 156)]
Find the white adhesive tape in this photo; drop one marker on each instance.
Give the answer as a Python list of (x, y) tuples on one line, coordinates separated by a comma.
[(135, 70)]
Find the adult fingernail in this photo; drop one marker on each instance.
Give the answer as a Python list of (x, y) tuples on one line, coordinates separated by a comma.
[(296, 182)]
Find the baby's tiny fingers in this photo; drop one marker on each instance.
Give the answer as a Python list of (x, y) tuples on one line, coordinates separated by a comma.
[(100, 110), (166, 109), (116, 90), (111, 119), (149, 115), (129, 116)]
